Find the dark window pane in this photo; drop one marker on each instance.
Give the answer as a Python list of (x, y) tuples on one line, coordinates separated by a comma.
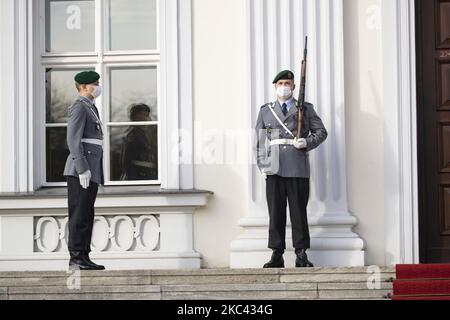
[(60, 93), (70, 26), (131, 86), (57, 153), (134, 153), (132, 17)]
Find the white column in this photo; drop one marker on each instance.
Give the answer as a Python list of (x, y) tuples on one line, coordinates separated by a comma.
[(400, 133), (176, 94), (277, 29), (14, 86)]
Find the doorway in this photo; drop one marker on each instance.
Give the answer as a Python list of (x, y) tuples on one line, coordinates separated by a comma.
[(433, 85)]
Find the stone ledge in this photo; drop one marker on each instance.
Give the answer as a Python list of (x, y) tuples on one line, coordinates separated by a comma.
[(88, 296), (102, 191), (223, 271), (335, 278), (334, 270), (3, 293), (353, 294), (385, 271), (85, 289), (62, 281), (240, 287), (243, 295), (214, 279), (120, 198), (226, 284), (59, 274), (351, 286)]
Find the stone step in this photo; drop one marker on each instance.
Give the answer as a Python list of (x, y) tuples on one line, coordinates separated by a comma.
[(204, 292), (223, 284), (216, 275)]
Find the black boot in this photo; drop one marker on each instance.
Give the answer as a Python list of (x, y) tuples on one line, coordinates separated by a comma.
[(97, 266), (302, 259), (276, 261), (79, 260)]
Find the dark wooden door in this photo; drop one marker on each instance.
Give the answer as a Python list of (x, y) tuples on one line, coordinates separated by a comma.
[(433, 71)]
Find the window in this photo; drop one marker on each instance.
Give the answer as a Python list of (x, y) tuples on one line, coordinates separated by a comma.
[(120, 40)]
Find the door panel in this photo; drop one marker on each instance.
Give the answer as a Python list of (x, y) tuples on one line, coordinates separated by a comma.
[(433, 70)]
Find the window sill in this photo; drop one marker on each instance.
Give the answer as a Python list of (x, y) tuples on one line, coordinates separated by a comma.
[(103, 191), (108, 197)]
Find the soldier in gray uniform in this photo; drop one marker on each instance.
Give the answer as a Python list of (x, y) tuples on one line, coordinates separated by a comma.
[(284, 161), (84, 168)]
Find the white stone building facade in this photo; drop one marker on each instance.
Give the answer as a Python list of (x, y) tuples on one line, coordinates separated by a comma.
[(209, 66)]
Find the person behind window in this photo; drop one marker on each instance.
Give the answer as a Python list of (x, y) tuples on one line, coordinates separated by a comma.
[(138, 156)]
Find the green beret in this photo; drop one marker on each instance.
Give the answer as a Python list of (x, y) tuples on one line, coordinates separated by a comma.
[(284, 75), (87, 77)]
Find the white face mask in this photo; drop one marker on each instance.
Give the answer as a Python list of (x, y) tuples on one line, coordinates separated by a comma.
[(97, 91), (284, 92)]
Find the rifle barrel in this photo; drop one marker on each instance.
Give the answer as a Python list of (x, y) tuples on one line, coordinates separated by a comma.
[(306, 47)]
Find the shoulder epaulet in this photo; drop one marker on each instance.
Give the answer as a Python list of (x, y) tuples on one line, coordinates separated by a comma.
[(270, 104), (309, 105), (77, 104)]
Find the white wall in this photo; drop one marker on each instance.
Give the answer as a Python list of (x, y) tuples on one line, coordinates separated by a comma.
[(1, 105), (9, 97), (220, 95), (1, 90), (364, 118), (2, 48)]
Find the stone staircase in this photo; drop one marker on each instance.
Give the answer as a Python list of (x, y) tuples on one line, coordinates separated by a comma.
[(205, 284)]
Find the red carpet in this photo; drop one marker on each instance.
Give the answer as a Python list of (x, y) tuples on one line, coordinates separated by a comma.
[(422, 282)]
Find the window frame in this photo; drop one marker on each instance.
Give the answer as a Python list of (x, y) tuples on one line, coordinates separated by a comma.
[(102, 61)]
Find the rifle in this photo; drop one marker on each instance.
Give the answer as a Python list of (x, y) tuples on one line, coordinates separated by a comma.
[(301, 95)]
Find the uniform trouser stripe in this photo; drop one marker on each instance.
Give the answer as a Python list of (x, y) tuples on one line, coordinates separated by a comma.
[(279, 192)]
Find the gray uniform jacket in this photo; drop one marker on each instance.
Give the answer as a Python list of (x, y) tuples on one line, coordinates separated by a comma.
[(285, 160), (83, 122)]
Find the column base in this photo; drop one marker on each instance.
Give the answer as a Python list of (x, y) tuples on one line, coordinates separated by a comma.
[(333, 244), (320, 258)]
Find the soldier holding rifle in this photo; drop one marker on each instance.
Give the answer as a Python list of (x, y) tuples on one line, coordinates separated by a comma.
[(287, 130)]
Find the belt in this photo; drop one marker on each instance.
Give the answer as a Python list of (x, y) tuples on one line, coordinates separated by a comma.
[(97, 142), (144, 164), (276, 142)]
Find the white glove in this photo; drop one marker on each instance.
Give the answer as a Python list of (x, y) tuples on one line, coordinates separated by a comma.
[(85, 179), (300, 143), (266, 173)]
